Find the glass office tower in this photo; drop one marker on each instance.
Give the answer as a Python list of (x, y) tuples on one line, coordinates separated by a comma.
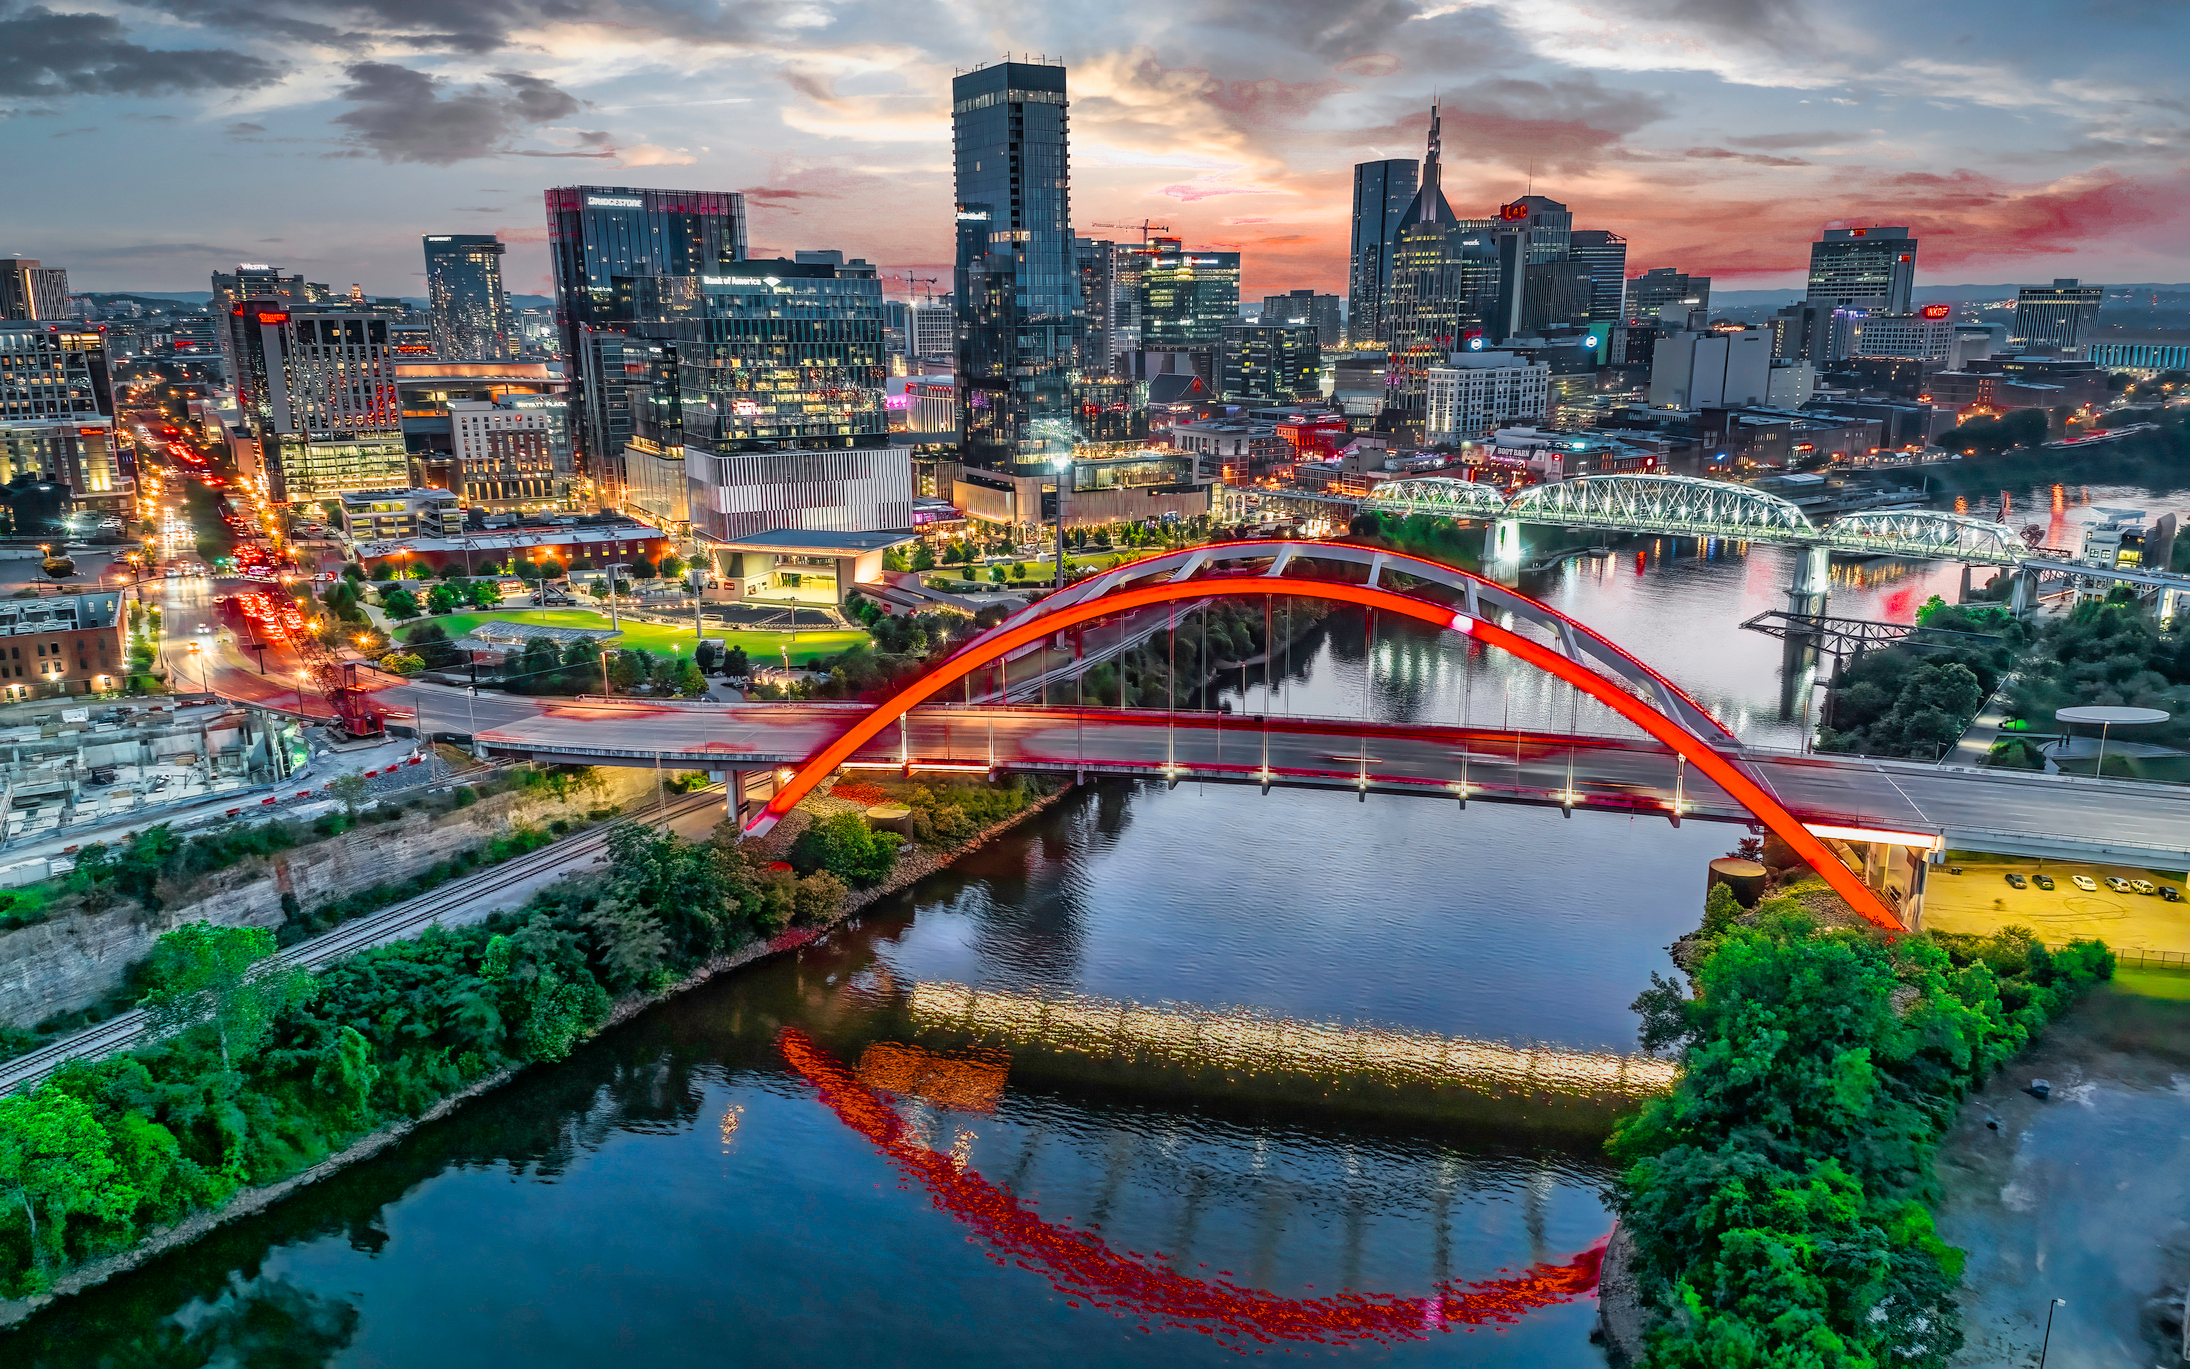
[(1382, 193), (1020, 308), (601, 239), (465, 304)]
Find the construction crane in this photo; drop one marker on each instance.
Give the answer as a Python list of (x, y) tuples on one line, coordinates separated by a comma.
[(929, 281), (1144, 225)]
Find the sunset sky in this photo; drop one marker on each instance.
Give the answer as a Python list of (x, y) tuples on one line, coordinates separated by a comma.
[(148, 144)]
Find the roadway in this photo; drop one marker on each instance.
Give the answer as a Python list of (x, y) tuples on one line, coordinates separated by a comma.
[(2007, 812), (457, 903)]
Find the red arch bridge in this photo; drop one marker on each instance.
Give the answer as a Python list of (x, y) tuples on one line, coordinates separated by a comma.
[(1867, 826)]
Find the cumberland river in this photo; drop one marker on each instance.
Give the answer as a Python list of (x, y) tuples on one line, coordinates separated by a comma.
[(720, 1181)]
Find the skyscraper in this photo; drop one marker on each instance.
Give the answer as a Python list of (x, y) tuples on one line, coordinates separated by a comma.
[(2061, 315), (1863, 268), (1444, 277), (1605, 256), (1661, 286), (1187, 297), (1320, 312), (1382, 193), (1021, 326), (57, 411), (317, 387), (31, 291), (602, 240), (465, 304)]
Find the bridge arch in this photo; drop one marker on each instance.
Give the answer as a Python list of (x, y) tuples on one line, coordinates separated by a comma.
[(1077, 605), (1439, 495), (1679, 505), (1926, 532)]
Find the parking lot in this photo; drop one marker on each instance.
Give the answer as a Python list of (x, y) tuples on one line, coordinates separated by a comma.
[(1984, 898)]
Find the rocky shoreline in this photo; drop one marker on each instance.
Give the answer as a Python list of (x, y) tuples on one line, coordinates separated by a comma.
[(914, 864)]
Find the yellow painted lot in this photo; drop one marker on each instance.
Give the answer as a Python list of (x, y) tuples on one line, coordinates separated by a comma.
[(1980, 900)]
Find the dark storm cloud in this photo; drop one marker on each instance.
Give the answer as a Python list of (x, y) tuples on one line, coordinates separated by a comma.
[(47, 54), (409, 116)]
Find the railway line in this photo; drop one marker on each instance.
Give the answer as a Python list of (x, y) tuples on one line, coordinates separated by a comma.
[(393, 923)]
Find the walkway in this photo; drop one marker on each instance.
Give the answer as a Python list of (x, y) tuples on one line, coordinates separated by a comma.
[(2059, 817)]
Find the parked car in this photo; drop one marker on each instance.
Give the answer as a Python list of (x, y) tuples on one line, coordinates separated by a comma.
[(2144, 886), (2085, 883), (2170, 893), (2016, 881), (2117, 884), (2042, 881)]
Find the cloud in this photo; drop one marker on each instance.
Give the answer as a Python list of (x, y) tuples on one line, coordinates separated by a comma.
[(1780, 142), (72, 132), (242, 127), (409, 116), (48, 55), (1752, 158)]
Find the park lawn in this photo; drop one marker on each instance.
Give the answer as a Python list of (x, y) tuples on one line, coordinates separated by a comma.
[(763, 647)]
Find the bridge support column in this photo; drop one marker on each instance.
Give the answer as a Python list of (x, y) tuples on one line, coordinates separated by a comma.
[(745, 792), (1813, 580), (1502, 541), (2023, 596)]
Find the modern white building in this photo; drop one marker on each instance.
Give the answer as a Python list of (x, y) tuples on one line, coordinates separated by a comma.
[(1692, 370), (1480, 392), (846, 489)]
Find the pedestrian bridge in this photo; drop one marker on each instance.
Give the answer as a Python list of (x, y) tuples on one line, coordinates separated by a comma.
[(1685, 506), (1676, 762)]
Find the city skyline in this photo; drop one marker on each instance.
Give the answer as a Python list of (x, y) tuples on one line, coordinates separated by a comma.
[(1719, 140)]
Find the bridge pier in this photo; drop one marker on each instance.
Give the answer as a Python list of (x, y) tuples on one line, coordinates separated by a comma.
[(1502, 541), (1813, 581), (745, 792), (2023, 596)]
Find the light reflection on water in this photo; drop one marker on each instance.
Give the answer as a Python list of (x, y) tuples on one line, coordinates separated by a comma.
[(673, 1195)]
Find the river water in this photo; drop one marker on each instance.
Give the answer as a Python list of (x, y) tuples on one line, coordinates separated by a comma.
[(833, 1158)]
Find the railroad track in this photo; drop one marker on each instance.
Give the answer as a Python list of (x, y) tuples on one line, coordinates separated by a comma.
[(389, 924)]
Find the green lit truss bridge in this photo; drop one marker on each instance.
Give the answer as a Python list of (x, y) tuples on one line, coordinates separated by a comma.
[(1684, 506)]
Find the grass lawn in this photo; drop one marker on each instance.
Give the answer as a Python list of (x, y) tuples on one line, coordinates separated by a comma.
[(763, 647)]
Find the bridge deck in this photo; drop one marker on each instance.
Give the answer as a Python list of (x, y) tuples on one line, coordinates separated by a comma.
[(2053, 817)]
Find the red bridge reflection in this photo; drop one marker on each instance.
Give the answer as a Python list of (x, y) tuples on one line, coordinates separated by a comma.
[(1082, 1266)]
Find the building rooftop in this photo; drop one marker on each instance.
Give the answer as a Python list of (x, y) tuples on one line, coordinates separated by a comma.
[(516, 539), (808, 543)]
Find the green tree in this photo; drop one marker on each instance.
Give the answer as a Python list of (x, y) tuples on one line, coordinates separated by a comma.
[(55, 1160), (206, 975), (351, 789), (924, 557), (672, 566), (398, 603)]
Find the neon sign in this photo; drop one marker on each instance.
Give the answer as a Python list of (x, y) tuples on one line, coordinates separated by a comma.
[(1937, 310), (610, 202)]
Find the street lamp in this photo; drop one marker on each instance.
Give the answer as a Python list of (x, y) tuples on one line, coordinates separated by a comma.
[(2047, 1343)]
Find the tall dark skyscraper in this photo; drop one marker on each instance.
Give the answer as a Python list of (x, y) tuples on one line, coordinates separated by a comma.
[(465, 304), (1605, 255), (1382, 192), (1445, 275), (602, 240), (1021, 325), (1864, 268)]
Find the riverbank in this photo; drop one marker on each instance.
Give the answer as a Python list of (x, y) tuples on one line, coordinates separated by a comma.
[(2080, 1195), (916, 862), (1820, 1066)]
